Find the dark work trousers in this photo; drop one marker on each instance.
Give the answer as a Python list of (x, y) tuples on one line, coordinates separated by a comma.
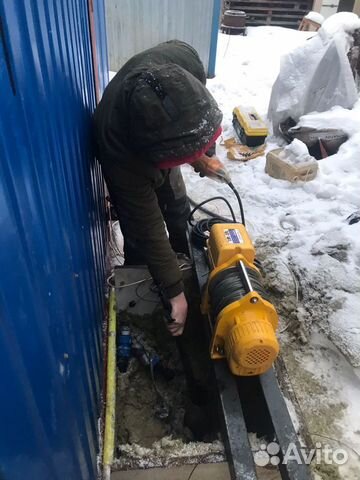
[(192, 346), (175, 208)]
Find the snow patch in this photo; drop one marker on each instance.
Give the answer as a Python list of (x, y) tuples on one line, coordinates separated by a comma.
[(298, 151), (315, 17), (169, 452), (341, 22)]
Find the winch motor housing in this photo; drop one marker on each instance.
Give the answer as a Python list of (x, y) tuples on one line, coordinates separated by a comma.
[(242, 318)]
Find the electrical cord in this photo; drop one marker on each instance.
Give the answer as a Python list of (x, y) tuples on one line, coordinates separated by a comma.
[(142, 295), (209, 212), (238, 198), (201, 229), (199, 205), (192, 471), (296, 288), (339, 442), (124, 285), (111, 280)]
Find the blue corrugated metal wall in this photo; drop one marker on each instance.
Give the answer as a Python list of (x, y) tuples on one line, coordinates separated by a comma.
[(51, 241)]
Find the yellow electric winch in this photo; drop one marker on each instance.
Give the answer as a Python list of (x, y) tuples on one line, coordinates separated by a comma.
[(243, 320)]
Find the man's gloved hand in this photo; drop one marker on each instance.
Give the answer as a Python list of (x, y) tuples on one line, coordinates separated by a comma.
[(179, 308), (211, 167)]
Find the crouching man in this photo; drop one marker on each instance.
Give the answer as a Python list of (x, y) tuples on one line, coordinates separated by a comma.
[(155, 115)]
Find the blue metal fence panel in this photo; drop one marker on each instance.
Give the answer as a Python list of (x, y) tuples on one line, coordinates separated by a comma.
[(52, 242)]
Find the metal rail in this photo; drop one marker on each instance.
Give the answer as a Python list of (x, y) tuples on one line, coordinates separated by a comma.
[(251, 404)]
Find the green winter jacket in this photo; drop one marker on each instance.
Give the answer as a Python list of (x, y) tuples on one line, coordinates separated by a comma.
[(155, 109)]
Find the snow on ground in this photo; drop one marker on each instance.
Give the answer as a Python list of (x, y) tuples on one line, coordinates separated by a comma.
[(302, 226)]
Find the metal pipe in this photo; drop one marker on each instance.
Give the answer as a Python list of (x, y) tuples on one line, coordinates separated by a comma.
[(110, 394)]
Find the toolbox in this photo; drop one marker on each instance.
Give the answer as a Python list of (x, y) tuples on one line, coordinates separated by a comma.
[(249, 126)]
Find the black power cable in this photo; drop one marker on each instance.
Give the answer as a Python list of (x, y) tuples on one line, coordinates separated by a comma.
[(209, 212), (242, 214), (201, 229), (199, 205)]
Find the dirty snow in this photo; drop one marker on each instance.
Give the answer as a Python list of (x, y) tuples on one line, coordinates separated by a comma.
[(169, 452), (303, 226)]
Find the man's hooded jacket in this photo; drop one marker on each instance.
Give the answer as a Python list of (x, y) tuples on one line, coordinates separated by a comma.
[(155, 114)]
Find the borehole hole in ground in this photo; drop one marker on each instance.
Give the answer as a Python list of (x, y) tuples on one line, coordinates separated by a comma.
[(170, 417)]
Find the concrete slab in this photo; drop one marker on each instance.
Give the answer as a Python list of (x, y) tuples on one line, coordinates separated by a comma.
[(133, 293), (213, 471)]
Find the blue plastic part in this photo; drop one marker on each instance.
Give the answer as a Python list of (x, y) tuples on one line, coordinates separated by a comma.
[(214, 37), (155, 360), (124, 348), (52, 242)]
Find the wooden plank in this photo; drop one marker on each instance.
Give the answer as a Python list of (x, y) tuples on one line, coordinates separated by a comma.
[(266, 4), (280, 16), (273, 9), (306, 3), (258, 23), (283, 13), (216, 471), (213, 471)]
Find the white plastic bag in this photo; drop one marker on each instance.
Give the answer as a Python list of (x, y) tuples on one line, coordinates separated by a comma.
[(314, 77)]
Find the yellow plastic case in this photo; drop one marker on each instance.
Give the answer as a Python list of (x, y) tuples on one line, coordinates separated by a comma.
[(249, 126)]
